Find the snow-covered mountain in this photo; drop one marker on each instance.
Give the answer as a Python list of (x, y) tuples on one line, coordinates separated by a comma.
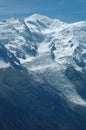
[(48, 49)]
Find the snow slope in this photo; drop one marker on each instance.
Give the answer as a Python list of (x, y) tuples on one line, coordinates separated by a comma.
[(47, 46)]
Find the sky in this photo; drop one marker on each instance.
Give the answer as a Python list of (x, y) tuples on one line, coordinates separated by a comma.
[(65, 10)]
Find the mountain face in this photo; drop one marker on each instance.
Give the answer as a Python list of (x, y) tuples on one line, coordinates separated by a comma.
[(42, 74)]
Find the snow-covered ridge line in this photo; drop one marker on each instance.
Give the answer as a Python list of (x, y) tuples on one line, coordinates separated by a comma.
[(47, 46), (39, 34)]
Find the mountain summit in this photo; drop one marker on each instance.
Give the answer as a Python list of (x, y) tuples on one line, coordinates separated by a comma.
[(53, 53)]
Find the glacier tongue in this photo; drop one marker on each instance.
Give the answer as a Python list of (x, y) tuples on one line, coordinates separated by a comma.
[(59, 82), (53, 73)]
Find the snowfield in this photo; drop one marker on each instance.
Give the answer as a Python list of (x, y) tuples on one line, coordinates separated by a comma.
[(47, 46)]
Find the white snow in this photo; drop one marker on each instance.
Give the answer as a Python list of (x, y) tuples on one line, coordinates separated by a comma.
[(58, 81), (44, 34), (3, 64)]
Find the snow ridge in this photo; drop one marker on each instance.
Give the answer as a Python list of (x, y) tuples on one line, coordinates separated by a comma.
[(47, 46)]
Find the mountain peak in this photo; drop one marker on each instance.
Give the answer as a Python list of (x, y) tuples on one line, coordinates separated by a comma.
[(37, 17), (42, 44), (42, 18), (41, 22), (39, 34), (14, 20)]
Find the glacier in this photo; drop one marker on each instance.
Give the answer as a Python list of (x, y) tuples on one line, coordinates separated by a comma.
[(47, 47)]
